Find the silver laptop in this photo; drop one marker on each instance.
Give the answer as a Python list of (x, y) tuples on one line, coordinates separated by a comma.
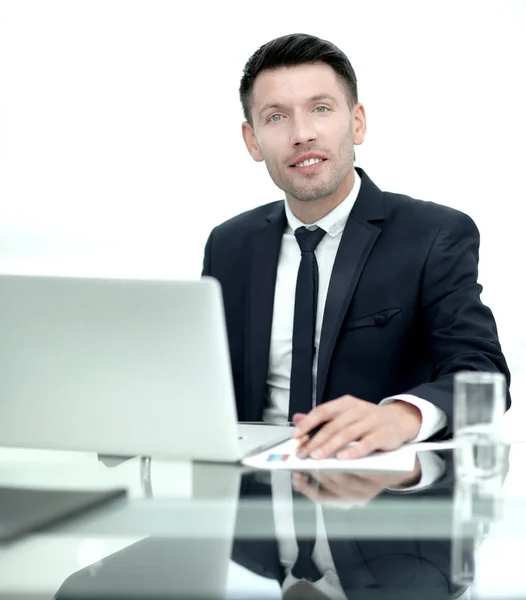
[(120, 366)]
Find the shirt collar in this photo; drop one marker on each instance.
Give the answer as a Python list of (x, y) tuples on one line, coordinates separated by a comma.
[(334, 222)]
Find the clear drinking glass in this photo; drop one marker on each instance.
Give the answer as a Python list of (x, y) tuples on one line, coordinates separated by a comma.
[(479, 407)]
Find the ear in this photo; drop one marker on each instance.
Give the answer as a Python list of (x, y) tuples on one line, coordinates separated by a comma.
[(359, 124), (251, 142)]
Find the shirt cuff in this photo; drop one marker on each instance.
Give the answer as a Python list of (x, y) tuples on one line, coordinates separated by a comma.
[(433, 418)]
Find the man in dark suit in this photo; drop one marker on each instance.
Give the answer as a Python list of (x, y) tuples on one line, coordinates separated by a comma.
[(348, 309)]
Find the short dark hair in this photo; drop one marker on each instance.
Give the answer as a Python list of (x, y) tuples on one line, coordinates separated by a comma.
[(291, 50)]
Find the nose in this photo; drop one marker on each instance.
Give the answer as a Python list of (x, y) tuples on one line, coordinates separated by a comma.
[(303, 131)]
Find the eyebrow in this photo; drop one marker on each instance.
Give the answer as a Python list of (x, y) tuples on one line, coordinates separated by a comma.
[(312, 99)]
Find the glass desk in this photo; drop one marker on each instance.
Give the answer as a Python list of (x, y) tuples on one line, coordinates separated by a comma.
[(221, 531)]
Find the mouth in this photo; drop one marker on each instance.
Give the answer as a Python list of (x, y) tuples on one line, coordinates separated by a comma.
[(311, 165)]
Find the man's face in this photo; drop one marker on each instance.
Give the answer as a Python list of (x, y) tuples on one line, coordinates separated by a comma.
[(301, 111)]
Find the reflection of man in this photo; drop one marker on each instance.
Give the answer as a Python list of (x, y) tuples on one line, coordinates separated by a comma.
[(344, 567), (362, 302)]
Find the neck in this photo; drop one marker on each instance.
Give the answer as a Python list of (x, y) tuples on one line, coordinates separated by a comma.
[(314, 210)]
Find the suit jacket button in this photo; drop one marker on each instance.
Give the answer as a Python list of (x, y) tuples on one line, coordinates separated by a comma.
[(380, 320)]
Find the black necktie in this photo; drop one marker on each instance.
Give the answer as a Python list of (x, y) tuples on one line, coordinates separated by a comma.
[(304, 329), (305, 567)]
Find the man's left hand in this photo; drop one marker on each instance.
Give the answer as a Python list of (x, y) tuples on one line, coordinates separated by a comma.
[(349, 419)]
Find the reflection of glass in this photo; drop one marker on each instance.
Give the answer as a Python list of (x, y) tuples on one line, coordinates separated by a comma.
[(146, 476), (476, 507), (463, 550), (480, 403)]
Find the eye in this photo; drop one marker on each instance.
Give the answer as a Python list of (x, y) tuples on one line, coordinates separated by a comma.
[(321, 109), (274, 119)]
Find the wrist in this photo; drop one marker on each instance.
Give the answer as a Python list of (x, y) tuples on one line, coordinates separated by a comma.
[(410, 418)]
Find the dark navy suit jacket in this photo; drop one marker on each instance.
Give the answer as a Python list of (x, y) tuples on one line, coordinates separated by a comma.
[(403, 311)]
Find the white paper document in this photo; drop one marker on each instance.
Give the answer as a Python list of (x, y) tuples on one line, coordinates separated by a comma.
[(283, 456)]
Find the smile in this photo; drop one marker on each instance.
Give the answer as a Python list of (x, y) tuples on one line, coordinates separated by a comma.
[(309, 162), (310, 165)]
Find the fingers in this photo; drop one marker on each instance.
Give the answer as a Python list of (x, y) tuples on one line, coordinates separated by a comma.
[(346, 420), (361, 488), (300, 483), (324, 422), (322, 413), (297, 418), (337, 486), (344, 485), (376, 439), (301, 444), (316, 485), (335, 436), (318, 436)]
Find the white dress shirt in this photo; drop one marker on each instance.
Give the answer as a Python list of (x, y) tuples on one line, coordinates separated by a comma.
[(280, 359)]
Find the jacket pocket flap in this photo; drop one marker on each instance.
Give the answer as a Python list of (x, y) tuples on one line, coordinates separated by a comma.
[(378, 319)]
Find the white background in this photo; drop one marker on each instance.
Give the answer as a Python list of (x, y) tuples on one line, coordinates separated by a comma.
[(120, 128)]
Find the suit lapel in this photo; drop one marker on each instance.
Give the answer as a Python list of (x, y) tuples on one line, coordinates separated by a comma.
[(263, 271), (358, 239)]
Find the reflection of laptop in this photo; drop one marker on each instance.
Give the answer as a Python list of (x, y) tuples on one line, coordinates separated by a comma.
[(25, 510), (155, 568), (172, 564), (120, 367)]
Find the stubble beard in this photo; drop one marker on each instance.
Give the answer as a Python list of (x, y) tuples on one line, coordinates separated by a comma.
[(306, 192), (309, 192)]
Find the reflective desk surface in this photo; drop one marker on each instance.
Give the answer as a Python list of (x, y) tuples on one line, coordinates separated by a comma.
[(222, 531)]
